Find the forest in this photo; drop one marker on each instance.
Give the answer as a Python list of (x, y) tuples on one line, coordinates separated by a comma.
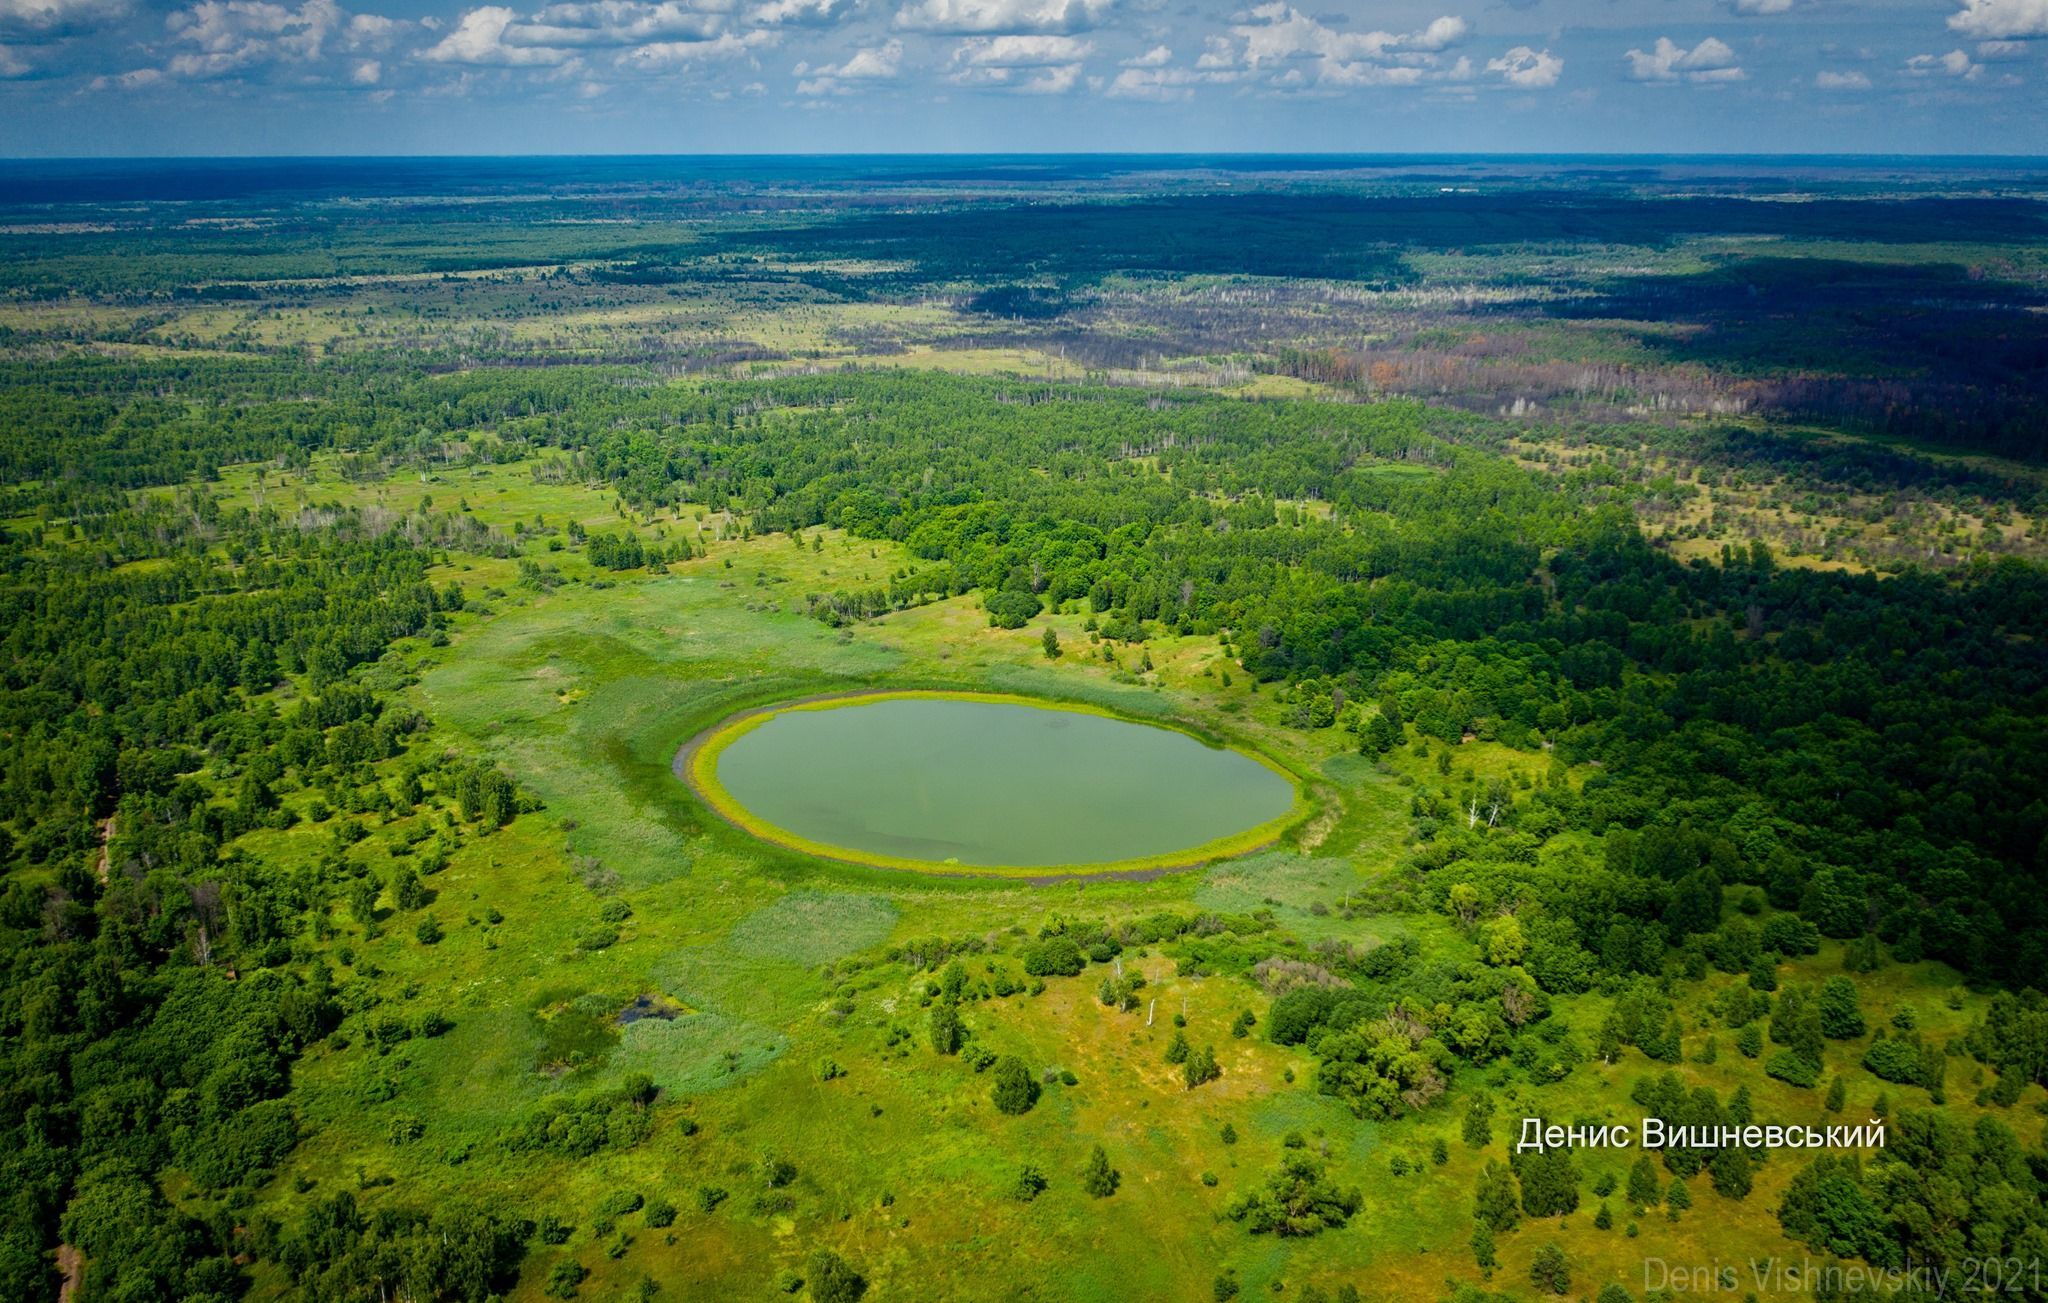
[(1640, 585)]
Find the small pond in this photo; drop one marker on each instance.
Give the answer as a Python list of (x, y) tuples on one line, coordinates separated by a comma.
[(991, 783)]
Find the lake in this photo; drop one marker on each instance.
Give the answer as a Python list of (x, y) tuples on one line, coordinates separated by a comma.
[(993, 784)]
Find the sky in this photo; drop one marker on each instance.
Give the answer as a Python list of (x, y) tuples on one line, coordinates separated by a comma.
[(228, 77)]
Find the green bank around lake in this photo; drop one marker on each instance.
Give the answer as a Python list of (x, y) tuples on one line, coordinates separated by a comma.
[(985, 783)]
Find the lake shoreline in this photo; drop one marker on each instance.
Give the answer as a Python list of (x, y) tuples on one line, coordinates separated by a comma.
[(695, 760)]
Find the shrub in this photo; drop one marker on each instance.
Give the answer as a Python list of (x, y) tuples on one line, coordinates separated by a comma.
[(1793, 1069), (1029, 1185), (1013, 1090), (619, 1202), (1098, 1178), (1549, 1271), (1056, 956), (1297, 1200), (946, 1030), (564, 1279), (833, 1279), (1893, 1060)]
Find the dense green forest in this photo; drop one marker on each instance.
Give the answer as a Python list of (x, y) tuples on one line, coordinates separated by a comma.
[(1667, 756)]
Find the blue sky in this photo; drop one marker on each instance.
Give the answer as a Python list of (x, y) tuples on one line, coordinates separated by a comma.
[(85, 77)]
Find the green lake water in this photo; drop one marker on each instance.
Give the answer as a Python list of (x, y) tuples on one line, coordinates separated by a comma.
[(994, 784)]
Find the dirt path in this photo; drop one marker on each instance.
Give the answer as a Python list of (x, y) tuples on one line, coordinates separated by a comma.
[(71, 1265), (106, 860)]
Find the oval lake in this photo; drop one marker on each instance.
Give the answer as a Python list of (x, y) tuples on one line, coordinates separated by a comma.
[(994, 784)]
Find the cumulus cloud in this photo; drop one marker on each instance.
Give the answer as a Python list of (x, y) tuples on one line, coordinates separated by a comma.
[(1827, 80), (1953, 64), (231, 36), (661, 56), (611, 24), (1526, 68), (1021, 51), (13, 64), (135, 79), (39, 19), (1758, 8), (995, 17), (372, 29), (643, 36), (1156, 57), (1708, 62), (800, 13), (479, 39), (1030, 65), (871, 64), (1997, 20), (1301, 52)]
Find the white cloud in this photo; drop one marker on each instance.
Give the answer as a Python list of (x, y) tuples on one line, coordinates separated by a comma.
[(1995, 51), (13, 65), (1021, 51), (368, 72), (1025, 65), (135, 79), (1995, 20), (612, 23), (372, 29), (1276, 31), (1527, 68), (872, 64), (1301, 52), (800, 13), (1954, 64), (1758, 8), (234, 35), (56, 17), (1156, 57), (1441, 34), (1841, 80), (1709, 61), (659, 56), (994, 17), (479, 38)]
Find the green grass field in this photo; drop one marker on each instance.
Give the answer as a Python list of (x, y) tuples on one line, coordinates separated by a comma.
[(769, 965)]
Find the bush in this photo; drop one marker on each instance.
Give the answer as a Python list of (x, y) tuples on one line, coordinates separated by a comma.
[(1054, 957), (1098, 1178), (660, 1213), (833, 1279), (619, 1202), (1893, 1060), (1013, 1090), (946, 1031), (564, 1279), (1793, 1069), (1029, 1185), (1297, 1200)]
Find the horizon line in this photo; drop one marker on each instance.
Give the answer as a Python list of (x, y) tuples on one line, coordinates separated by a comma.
[(1417, 155)]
